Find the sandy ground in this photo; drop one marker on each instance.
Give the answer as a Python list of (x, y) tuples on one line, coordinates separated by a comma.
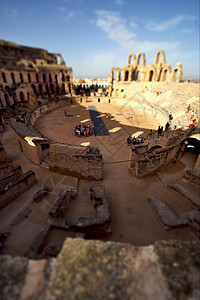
[(133, 219)]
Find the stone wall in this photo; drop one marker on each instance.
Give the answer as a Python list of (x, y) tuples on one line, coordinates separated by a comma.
[(78, 161), (105, 270), (151, 156), (16, 187)]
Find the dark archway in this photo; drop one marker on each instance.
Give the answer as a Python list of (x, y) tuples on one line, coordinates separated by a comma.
[(57, 90), (56, 78), (52, 87), (63, 88), (50, 78), (68, 78), (13, 77), (151, 75), (7, 99), (4, 77), (40, 89), (29, 78), (37, 77), (21, 77), (126, 76), (34, 89), (44, 77), (47, 89), (21, 96)]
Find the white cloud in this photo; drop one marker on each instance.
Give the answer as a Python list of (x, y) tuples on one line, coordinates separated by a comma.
[(165, 25), (187, 30), (114, 26)]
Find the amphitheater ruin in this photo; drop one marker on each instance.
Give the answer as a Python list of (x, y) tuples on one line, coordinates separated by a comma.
[(60, 190)]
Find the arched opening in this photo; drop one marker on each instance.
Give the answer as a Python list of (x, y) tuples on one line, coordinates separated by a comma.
[(63, 88), (58, 59), (44, 77), (99, 100), (13, 78), (4, 77), (138, 76), (34, 89), (7, 99), (189, 152), (52, 87), (50, 78), (131, 60), (21, 96), (165, 75), (108, 100), (159, 76), (126, 76), (57, 90), (62, 76), (21, 77), (175, 75), (47, 89), (158, 58), (40, 89), (68, 78), (37, 77), (29, 78), (133, 75), (151, 75), (56, 78)]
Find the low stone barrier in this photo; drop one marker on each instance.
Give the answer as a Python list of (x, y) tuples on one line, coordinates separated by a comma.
[(78, 161), (17, 187), (16, 172), (6, 167)]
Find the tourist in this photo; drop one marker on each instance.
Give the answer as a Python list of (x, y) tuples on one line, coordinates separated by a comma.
[(193, 123), (192, 115), (129, 140), (167, 125), (159, 131), (150, 134)]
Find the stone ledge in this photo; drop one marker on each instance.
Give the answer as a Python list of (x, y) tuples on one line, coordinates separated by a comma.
[(168, 270)]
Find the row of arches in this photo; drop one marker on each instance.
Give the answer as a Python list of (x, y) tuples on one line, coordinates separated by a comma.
[(141, 59), (145, 75), (24, 77)]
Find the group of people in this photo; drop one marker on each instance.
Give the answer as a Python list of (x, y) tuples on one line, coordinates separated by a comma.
[(84, 130), (134, 140)]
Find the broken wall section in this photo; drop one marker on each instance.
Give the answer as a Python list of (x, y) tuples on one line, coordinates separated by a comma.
[(77, 161)]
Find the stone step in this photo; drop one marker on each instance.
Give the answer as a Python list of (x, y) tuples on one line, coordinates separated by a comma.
[(187, 189)]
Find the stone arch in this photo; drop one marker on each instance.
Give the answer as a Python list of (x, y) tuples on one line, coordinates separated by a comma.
[(7, 99), (62, 76), (44, 77), (13, 77), (177, 73), (63, 88), (143, 59), (34, 89), (160, 57), (126, 75), (131, 57), (133, 75), (29, 77), (164, 75), (138, 75), (50, 78), (52, 87), (21, 77), (68, 78), (56, 78), (57, 90), (37, 77), (40, 89), (21, 96), (4, 77), (151, 75), (47, 89)]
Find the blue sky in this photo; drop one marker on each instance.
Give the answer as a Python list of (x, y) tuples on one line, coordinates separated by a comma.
[(95, 35)]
